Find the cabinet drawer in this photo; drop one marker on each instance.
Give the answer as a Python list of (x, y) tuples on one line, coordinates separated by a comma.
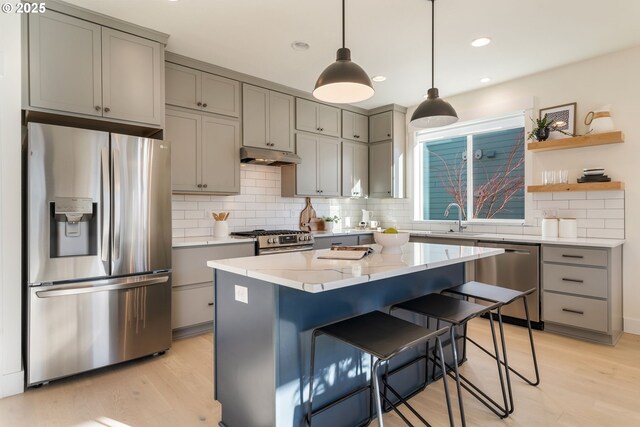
[(579, 256), (575, 280), (190, 263), (575, 311), (191, 306), (327, 242), (366, 239)]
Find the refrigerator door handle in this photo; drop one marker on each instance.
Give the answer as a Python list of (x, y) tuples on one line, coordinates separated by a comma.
[(117, 194), (100, 286), (106, 205)]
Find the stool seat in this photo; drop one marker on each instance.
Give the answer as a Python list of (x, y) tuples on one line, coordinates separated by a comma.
[(379, 334), (488, 292), (449, 309)]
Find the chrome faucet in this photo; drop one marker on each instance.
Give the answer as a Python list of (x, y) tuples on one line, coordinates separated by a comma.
[(446, 214)]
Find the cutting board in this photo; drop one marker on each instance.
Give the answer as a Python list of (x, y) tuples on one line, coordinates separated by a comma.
[(307, 214)]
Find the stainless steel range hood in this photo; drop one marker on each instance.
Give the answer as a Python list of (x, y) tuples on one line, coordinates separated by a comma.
[(263, 156)]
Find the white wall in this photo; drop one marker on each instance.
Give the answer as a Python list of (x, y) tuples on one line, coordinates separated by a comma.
[(11, 372), (610, 79)]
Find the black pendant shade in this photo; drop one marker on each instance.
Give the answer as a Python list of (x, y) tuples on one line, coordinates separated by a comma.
[(433, 111), (344, 81)]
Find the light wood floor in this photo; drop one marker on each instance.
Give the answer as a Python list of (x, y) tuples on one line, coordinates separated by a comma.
[(582, 385)]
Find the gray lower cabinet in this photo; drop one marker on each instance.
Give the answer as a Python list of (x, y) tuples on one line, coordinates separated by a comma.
[(79, 67), (319, 172), (192, 285), (267, 118), (325, 242), (317, 118), (355, 169), (190, 88), (366, 239), (381, 126), (355, 126), (205, 155), (583, 292)]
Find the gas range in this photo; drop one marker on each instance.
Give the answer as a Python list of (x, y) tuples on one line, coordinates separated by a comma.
[(279, 241)]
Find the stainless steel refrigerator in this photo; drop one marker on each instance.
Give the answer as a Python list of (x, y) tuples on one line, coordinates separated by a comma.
[(98, 225)]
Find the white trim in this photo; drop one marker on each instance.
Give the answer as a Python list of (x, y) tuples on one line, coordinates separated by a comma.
[(11, 384), (631, 326)]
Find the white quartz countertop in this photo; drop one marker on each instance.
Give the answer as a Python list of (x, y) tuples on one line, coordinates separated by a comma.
[(523, 238), (304, 271), (208, 241)]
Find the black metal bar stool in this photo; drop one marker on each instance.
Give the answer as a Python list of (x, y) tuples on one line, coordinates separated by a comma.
[(381, 336), (501, 296), (457, 312)]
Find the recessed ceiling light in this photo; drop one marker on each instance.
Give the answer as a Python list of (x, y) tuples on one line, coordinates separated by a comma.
[(379, 78), (298, 45), (481, 41), (485, 80), (172, 1)]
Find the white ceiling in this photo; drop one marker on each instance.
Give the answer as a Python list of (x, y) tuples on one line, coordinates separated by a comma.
[(389, 37)]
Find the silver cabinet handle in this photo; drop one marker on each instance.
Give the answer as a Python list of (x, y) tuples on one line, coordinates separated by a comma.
[(98, 108), (106, 205), (199, 104), (107, 109), (573, 256), (102, 285), (568, 310), (565, 279), (117, 193)]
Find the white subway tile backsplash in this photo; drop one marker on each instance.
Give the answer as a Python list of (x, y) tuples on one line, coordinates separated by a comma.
[(572, 213), (614, 223), (614, 203), (552, 204), (569, 195), (605, 233), (542, 196), (605, 194), (606, 213), (193, 214), (586, 204)]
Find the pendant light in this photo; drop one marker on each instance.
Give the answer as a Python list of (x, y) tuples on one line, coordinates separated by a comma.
[(434, 111), (344, 81)]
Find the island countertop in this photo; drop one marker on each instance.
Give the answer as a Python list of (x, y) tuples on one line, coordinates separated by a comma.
[(305, 272)]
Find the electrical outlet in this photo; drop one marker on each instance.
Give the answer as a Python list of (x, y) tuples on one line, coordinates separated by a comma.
[(242, 294)]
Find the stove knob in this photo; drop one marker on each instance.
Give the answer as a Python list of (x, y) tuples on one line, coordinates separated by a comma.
[(269, 240)]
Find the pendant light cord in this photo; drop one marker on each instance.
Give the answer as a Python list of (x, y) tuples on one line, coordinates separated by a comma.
[(433, 32), (343, 26)]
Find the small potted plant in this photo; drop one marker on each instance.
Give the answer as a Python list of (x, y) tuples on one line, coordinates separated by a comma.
[(543, 127), (329, 222)]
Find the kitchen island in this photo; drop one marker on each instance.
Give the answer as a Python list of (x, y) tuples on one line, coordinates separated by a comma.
[(267, 307)]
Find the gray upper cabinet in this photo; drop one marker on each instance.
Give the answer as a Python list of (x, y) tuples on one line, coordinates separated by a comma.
[(355, 126), (267, 118), (355, 169), (317, 118), (206, 153), (79, 67), (319, 172), (131, 78), (381, 126), (381, 162), (190, 88)]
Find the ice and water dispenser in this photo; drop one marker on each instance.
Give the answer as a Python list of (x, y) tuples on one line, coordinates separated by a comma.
[(73, 227)]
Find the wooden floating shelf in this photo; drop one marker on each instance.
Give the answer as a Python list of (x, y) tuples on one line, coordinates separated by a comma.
[(577, 142), (587, 186)]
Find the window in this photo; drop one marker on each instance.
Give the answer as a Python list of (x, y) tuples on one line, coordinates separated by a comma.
[(484, 159)]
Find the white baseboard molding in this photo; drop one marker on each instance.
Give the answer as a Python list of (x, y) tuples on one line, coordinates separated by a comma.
[(11, 384), (632, 326)]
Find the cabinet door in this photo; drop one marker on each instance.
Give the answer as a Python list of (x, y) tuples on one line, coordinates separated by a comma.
[(361, 170), (381, 127), (183, 130), (348, 169), (255, 116), (220, 95), (183, 86), (329, 167), (307, 170), (281, 121), (361, 126), (191, 305), (329, 120), (64, 64), (307, 115), (348, 125), (220, 156), (131, 78), (381, 165)]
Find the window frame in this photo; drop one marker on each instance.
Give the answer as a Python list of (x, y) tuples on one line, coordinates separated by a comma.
[(468, 129)]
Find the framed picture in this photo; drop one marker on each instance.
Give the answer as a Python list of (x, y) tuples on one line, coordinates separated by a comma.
[(564, 117)]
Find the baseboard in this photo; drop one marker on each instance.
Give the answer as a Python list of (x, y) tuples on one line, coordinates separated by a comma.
[(11, 384), (632, 326), (190, 331)]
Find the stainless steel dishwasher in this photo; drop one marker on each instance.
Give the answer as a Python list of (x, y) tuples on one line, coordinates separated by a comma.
[(518, 268)]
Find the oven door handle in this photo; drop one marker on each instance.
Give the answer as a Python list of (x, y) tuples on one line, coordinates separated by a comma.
[(284, 250)]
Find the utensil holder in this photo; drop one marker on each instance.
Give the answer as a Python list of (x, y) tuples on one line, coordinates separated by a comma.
[(220, 228)]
